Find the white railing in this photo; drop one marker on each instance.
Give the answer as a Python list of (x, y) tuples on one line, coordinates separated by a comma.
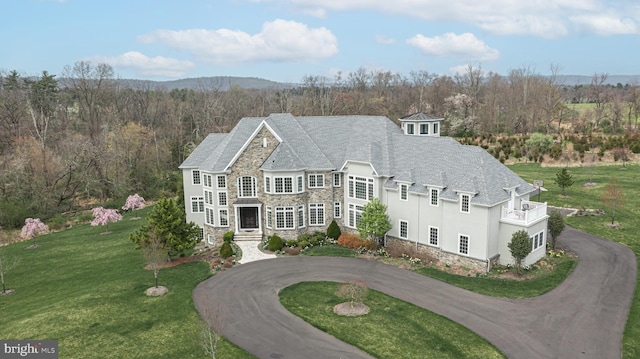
[(530, 212)]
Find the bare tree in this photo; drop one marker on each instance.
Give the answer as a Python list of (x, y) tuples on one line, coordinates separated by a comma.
[(211, 331), (613, 198), (154, 254), (6, 264), (355, 291)]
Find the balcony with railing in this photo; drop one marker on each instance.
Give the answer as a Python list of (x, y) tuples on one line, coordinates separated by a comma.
[(530, 212)]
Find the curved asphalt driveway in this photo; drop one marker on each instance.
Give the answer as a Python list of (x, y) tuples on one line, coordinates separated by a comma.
[(584, 317)]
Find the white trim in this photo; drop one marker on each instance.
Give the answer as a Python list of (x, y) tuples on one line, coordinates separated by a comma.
[(319, 216), (226, 199), (406, 225), (460, 235), (224, 178), (404, 190), (462, 203), (301, 224), (334, 176), (193, 177), (437, 190), (338, 206), (199, 200), (437, 237), (315, 176)]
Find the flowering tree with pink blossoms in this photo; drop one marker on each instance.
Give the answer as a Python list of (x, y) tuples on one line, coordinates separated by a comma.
[(134, 202), (102, 216), (32, 227)]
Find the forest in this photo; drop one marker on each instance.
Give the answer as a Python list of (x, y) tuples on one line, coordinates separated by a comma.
[(71, 140)]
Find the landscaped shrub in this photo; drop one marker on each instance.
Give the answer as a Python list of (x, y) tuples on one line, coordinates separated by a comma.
[(317, 238), (334, 231), (226, 251), (352, 241), (292, 243), (303, 243), (292, 251), (275, 243), (228, 236)]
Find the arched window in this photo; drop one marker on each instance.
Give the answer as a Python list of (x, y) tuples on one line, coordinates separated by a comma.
[(247, 186)]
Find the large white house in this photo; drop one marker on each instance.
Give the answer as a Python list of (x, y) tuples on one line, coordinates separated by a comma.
[(291, 175)]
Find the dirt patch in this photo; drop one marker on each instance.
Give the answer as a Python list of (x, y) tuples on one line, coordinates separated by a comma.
[(7, 292), (156, 291), (349, 309)]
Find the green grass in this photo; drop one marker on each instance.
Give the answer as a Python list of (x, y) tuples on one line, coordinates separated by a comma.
[(507, 288), (86, 290), (626, 234), (393, 328), (330, 250)]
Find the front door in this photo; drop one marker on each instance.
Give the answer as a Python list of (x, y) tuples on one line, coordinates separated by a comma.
[(248, 218)]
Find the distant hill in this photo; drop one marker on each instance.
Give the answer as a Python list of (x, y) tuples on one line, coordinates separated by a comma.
[(221, 83), (574, 80), (224, 83)]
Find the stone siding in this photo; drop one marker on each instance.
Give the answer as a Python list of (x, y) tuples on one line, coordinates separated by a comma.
[(442, 256)]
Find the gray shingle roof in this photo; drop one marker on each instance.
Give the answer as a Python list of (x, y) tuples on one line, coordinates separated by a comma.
[(315, 142)]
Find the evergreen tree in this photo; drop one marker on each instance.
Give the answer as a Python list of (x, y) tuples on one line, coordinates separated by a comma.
[(564, 179), (333, 231), (168, 222)]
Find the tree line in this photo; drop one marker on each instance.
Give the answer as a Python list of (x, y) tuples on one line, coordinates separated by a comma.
[(80, 137)]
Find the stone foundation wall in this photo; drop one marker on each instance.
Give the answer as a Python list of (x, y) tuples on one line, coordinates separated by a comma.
[(439, 254)]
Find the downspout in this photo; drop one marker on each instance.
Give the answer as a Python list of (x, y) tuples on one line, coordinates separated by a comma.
[(418, 236)]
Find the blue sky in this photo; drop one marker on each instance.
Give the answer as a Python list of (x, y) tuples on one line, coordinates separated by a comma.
[(285, 40)]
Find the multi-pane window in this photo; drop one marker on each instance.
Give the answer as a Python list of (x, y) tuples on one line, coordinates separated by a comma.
[(463, 244), (301, 216), (337, 210), (197, 204), (316, 214), (209, 239), (538, 240), (224, 217), (404, 229), (434, 197), (283, 184), (355, 213), (269, 218), (246, 186), (336, 180), (195, 175), (433, 236), (316, 181), (284, 218), (435, 128), (464, 203), (424, 128), (222, 199), (267, 184), (222, 181), (300, 182), (208, 197), (404, 189), (360, 187), (207, 180), (208, 218)]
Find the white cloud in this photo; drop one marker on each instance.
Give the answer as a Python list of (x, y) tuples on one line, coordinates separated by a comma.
[(385, 40), (147, 66), (605, 24), (542, 18), (464, 46), (279, 40)]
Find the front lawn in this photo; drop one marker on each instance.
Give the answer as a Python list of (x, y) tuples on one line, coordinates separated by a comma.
[(86, 289)]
